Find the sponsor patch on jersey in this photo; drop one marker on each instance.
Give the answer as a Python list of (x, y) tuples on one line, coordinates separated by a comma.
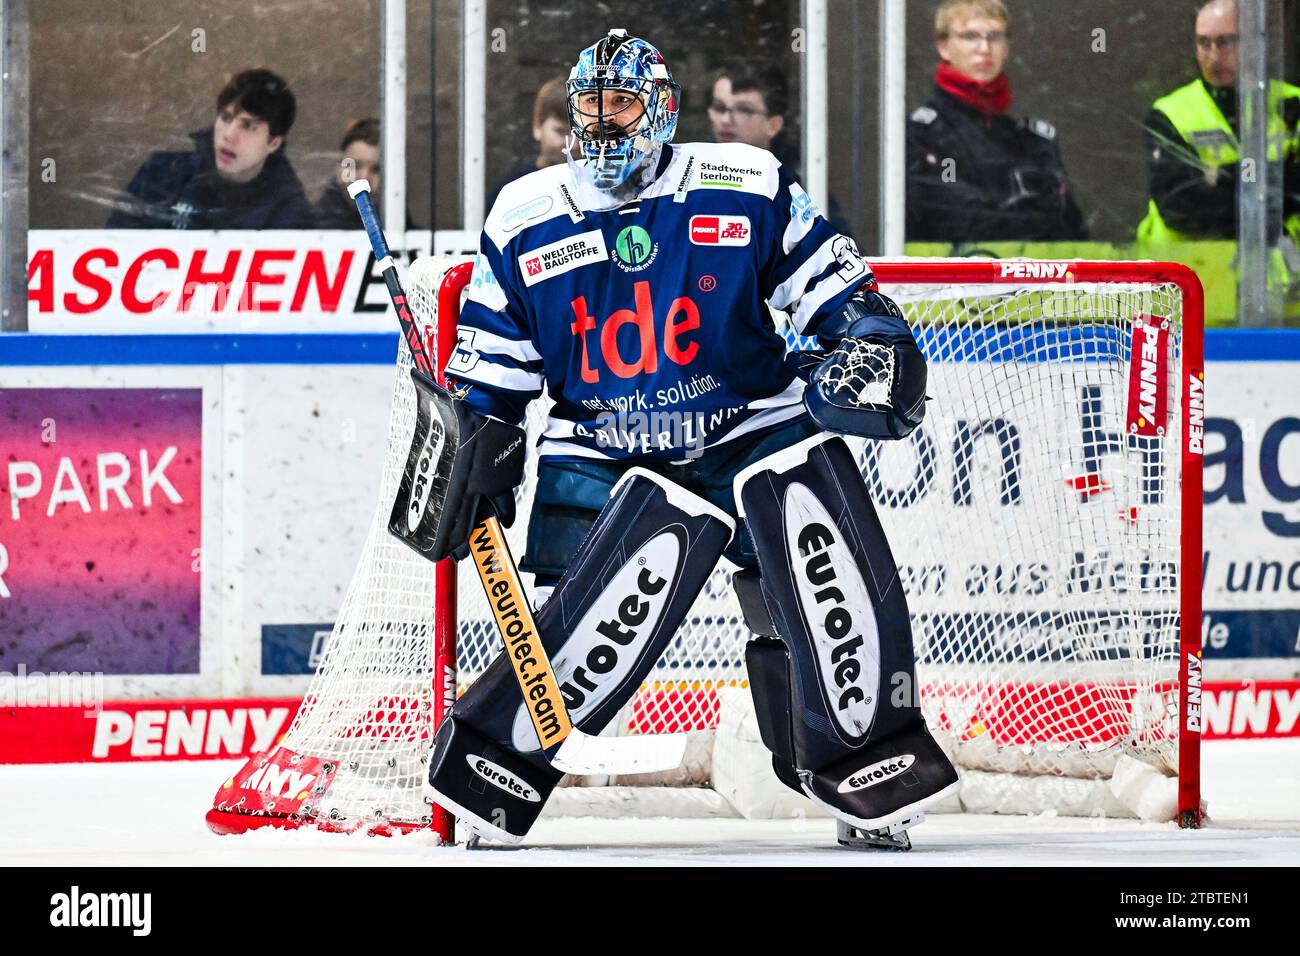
[(634, 250), (801, 205), (562, 256), (683, 184), (526, 212), (481, 274), (483, 286), (720, 230), (724, 174), (575, 214)]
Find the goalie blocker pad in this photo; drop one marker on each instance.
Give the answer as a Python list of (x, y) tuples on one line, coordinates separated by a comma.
[(460, 463), (609, 620), (836, 695)]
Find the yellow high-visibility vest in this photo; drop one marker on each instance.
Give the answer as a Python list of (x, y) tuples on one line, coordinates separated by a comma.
[(1201, 124)]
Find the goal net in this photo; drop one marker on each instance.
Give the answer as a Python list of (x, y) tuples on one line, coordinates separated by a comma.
[(1046, 523)]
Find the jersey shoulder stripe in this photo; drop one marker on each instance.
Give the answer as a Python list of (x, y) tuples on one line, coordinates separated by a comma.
[(530, 201)]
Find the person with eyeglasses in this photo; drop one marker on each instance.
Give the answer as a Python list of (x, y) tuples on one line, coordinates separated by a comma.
[(975, 173), (1192, 139), (749, 105)]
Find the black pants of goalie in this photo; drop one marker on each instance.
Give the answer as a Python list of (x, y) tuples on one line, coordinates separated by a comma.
[(608, 622), (832, 673)]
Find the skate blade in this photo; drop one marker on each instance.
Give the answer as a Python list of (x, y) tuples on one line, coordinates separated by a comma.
[(893, 837)]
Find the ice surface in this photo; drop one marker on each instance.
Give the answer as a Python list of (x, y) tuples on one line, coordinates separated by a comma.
[(152, 814)]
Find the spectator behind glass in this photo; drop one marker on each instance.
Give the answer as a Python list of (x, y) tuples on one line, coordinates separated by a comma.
[(235, 177), (550, 131), (974, 174), (335, 209), (749, 106), (1192, 141)]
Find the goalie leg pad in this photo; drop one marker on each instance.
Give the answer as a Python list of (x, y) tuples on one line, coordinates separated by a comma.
[(492, 789), (885, 780), (836, 600), (608, 621), (767, 665), (769, 684), (748, 586)]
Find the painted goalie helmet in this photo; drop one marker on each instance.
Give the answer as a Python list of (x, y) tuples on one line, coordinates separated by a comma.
[(623, 106)]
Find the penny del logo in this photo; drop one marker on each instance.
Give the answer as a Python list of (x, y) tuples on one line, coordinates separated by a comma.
[(720, 230)]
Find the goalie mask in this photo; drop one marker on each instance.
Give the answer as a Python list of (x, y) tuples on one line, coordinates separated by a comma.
[(623, 107)]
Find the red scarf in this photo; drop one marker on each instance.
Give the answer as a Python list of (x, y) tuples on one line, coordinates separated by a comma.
[(991, 98)]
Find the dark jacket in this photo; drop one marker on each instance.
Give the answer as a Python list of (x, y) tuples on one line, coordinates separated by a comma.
[(1188, 200), (517, 171), (183, 191), (1005, 182), (335, 209)]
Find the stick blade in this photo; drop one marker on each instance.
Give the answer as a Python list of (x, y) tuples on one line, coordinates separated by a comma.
[(642, 753)]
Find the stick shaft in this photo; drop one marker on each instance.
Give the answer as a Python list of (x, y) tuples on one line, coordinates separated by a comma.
[(549, 734), (393, 282)]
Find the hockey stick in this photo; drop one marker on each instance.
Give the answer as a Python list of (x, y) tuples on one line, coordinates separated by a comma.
[(578, 752)]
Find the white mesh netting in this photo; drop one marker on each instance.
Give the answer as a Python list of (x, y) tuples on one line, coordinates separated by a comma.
[(1038, 544), (861, 374), (370, 704)]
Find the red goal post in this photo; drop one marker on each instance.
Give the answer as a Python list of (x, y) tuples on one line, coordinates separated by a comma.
[(971, 276)]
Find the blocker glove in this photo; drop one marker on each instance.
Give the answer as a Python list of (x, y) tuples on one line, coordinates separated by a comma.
[(462, 469)]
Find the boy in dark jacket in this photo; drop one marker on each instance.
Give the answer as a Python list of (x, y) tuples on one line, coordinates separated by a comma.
[(236, 177)]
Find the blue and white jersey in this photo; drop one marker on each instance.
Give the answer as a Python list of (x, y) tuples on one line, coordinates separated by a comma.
[(648, 323)]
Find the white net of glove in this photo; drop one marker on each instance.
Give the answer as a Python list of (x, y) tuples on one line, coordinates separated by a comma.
[(858, 374)]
